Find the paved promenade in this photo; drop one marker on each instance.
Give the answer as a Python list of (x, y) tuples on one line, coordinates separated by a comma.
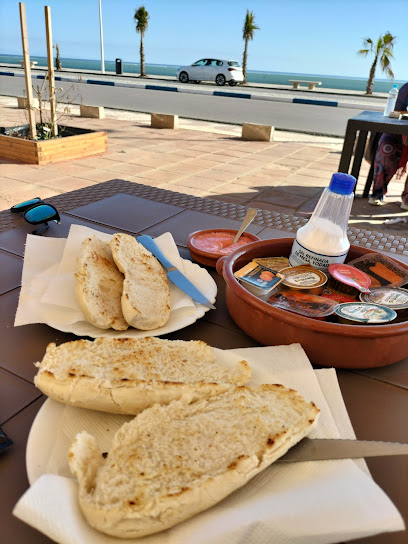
[(203, 159)]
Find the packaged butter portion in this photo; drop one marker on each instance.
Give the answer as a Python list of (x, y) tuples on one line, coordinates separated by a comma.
[(276, 264), (334, 294), (303, 303), (392, 297), (257, 279), (304, 277), (350, 276), (364, 313), (383, 271)]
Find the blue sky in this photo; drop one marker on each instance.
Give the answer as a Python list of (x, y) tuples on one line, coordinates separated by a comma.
[(301, 36)]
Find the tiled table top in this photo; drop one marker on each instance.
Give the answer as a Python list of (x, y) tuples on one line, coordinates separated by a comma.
[(377, 400)]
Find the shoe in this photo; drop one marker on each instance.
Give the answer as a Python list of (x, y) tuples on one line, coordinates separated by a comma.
[(376, 201), (404, 205)]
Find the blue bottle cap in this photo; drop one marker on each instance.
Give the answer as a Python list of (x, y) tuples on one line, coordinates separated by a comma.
[(342, 184)]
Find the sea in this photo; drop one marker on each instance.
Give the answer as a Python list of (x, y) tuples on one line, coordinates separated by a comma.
[(253, 76)]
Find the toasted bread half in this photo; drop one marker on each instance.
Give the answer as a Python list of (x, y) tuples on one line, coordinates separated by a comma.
[(171, 462), (126, 375), (146, 294), (99, 285)]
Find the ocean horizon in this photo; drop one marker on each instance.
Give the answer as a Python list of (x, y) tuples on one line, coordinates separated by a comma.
[(253, 76)]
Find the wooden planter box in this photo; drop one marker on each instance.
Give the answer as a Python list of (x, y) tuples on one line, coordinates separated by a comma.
[(74, 143)]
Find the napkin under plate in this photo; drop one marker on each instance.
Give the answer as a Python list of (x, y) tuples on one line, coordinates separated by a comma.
[(308, 503)]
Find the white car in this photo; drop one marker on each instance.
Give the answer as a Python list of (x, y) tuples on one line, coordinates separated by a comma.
[(220, 71)]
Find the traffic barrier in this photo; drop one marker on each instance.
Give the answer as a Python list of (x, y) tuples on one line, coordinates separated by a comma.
[(259, 133), (162, 120), (94, 112)]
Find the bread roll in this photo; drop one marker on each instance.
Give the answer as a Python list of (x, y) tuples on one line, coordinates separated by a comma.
[(126, 375), (99, 285), (171, 462), (146, 295)]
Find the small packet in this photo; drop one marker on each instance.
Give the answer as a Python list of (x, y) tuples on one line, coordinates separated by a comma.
[(333, 294), (303, 303), (364, 313), (392, 297), (257, 279), (276, 264), (304, 277), (383, 271)]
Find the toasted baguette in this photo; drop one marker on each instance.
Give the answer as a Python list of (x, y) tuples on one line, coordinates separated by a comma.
[(126, 375), (99, 285), (146, 294), (171, 462)]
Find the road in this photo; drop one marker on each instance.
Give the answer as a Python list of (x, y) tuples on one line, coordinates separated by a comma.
[(287, 116)]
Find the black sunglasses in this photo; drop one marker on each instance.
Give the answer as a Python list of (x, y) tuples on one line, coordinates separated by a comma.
[(37, 212)]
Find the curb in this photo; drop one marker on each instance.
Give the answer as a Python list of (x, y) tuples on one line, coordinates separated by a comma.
[(226, 94)]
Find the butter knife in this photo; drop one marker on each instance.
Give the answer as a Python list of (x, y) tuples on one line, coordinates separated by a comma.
[(174, 275), (316, 449)]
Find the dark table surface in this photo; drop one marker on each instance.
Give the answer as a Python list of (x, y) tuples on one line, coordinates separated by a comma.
[(376, 399)]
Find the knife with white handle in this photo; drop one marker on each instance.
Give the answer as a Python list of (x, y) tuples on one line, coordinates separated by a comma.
[(174, 275), (316, 449)]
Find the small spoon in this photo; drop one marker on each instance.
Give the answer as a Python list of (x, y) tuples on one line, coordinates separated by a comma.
[(249, 217)]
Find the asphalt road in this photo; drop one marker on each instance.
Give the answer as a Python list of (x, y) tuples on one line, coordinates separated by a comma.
[(294, 117)]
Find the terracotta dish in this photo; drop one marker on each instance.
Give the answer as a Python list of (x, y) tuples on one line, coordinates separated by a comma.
[(207, 246), (326, 344)]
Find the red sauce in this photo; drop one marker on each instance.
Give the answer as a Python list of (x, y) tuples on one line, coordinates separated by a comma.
[(219, 242)]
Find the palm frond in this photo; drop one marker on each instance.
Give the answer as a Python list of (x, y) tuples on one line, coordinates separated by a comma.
[(389, 39), (249, 26), (141, 18), (383, 50)]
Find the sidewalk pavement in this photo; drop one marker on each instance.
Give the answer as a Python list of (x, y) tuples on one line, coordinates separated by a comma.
[(204, 159)]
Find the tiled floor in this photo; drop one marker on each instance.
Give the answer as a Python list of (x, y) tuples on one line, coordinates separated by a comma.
[(285, 176)]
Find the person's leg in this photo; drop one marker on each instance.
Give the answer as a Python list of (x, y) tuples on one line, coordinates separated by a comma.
[(404, 196), (386, 162)]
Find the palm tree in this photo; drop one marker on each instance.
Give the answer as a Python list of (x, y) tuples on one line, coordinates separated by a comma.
[(383, 52), (141, 18), (58, 65), (248, 34)]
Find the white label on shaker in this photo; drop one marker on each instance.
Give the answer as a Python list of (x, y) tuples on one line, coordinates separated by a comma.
[(302, 255)]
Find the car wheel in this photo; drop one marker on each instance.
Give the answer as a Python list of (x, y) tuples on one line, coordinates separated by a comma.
[(232, 83), (183, 77), (220, 80)]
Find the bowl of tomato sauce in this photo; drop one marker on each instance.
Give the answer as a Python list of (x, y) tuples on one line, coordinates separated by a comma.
[(207, 246)]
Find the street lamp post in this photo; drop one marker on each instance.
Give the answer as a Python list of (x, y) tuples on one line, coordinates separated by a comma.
[(101, 35)]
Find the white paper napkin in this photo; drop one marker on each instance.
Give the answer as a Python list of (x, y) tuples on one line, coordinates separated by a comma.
[(48, 286), (316, 502)]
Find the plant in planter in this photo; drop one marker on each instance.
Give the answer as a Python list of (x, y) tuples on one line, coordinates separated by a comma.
[(46, 141)]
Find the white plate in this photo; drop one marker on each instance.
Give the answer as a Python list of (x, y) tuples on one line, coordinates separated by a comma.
[(45, 429), (178, 319)]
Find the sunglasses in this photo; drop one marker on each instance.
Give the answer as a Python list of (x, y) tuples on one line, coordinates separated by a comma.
[(37, 212)]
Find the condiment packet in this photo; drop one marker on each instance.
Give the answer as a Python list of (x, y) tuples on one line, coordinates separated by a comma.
[(258, 279), (365, 313), (350, 276), (304, 277), (303, 303), (333, 294), (392, 297), (273, 263), (383, 271)]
